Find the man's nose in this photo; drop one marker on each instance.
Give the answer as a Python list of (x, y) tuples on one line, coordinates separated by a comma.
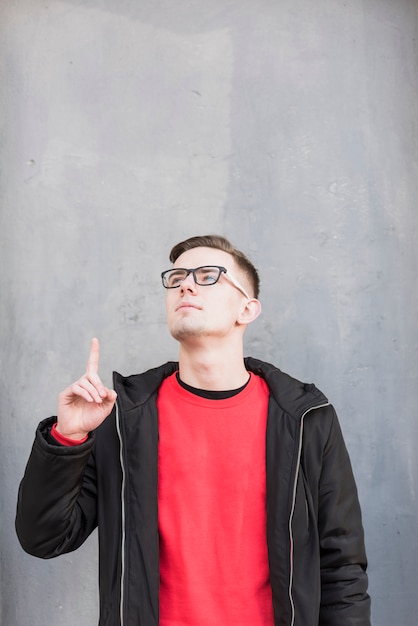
[(188, 284)]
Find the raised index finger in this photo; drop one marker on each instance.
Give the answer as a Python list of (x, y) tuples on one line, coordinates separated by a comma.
[(93, 360)]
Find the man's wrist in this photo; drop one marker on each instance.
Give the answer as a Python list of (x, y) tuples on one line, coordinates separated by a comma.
[(68, 440)]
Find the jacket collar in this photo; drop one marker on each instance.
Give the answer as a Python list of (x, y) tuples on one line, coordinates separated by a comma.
[(292, 395)]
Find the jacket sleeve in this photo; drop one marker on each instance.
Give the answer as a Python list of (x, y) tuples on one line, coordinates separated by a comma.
[(344, 597), (56, 507)]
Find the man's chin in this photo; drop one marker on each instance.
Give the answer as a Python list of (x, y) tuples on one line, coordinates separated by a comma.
[(183, 332)]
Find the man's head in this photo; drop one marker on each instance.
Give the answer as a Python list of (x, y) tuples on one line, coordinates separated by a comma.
[(220, 243), (210, 290)]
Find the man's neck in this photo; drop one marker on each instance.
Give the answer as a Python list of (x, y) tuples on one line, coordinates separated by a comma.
[(212, 369)]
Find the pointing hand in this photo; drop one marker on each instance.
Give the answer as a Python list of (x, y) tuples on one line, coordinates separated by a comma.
[(85, 404)]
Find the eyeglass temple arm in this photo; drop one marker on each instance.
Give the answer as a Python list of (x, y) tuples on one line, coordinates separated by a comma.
[(237, 284)]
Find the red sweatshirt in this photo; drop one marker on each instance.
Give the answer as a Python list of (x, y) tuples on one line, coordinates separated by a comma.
[(212, 508)]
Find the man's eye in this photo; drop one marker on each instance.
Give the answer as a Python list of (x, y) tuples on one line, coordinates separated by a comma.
[(175, 279), (208, 276)]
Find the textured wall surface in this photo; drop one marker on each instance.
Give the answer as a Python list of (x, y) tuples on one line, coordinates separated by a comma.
[(289, 126)]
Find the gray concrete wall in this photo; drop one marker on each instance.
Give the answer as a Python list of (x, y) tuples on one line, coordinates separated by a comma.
[(289, 126)]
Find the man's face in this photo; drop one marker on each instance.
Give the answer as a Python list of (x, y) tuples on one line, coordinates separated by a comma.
[(195, 311)]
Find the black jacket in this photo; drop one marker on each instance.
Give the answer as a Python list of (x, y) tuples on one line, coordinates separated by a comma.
[(315, 538)]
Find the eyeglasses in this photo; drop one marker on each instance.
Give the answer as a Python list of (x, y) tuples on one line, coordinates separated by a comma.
[(204, 276)]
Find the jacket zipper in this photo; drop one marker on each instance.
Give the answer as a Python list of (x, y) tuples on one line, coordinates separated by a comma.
[(292, 511), (123, 534)]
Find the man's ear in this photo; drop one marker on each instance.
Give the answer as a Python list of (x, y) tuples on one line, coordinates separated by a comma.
[(250, 312)]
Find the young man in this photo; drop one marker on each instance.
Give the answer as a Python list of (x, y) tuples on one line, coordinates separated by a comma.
[(221, 487)]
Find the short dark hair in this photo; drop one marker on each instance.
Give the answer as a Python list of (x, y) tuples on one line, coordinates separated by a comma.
[(220, 243)]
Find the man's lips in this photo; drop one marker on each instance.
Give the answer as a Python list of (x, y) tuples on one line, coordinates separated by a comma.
[(187, 305)]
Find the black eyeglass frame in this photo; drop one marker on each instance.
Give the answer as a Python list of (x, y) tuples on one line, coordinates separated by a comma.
[(220, 268)]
